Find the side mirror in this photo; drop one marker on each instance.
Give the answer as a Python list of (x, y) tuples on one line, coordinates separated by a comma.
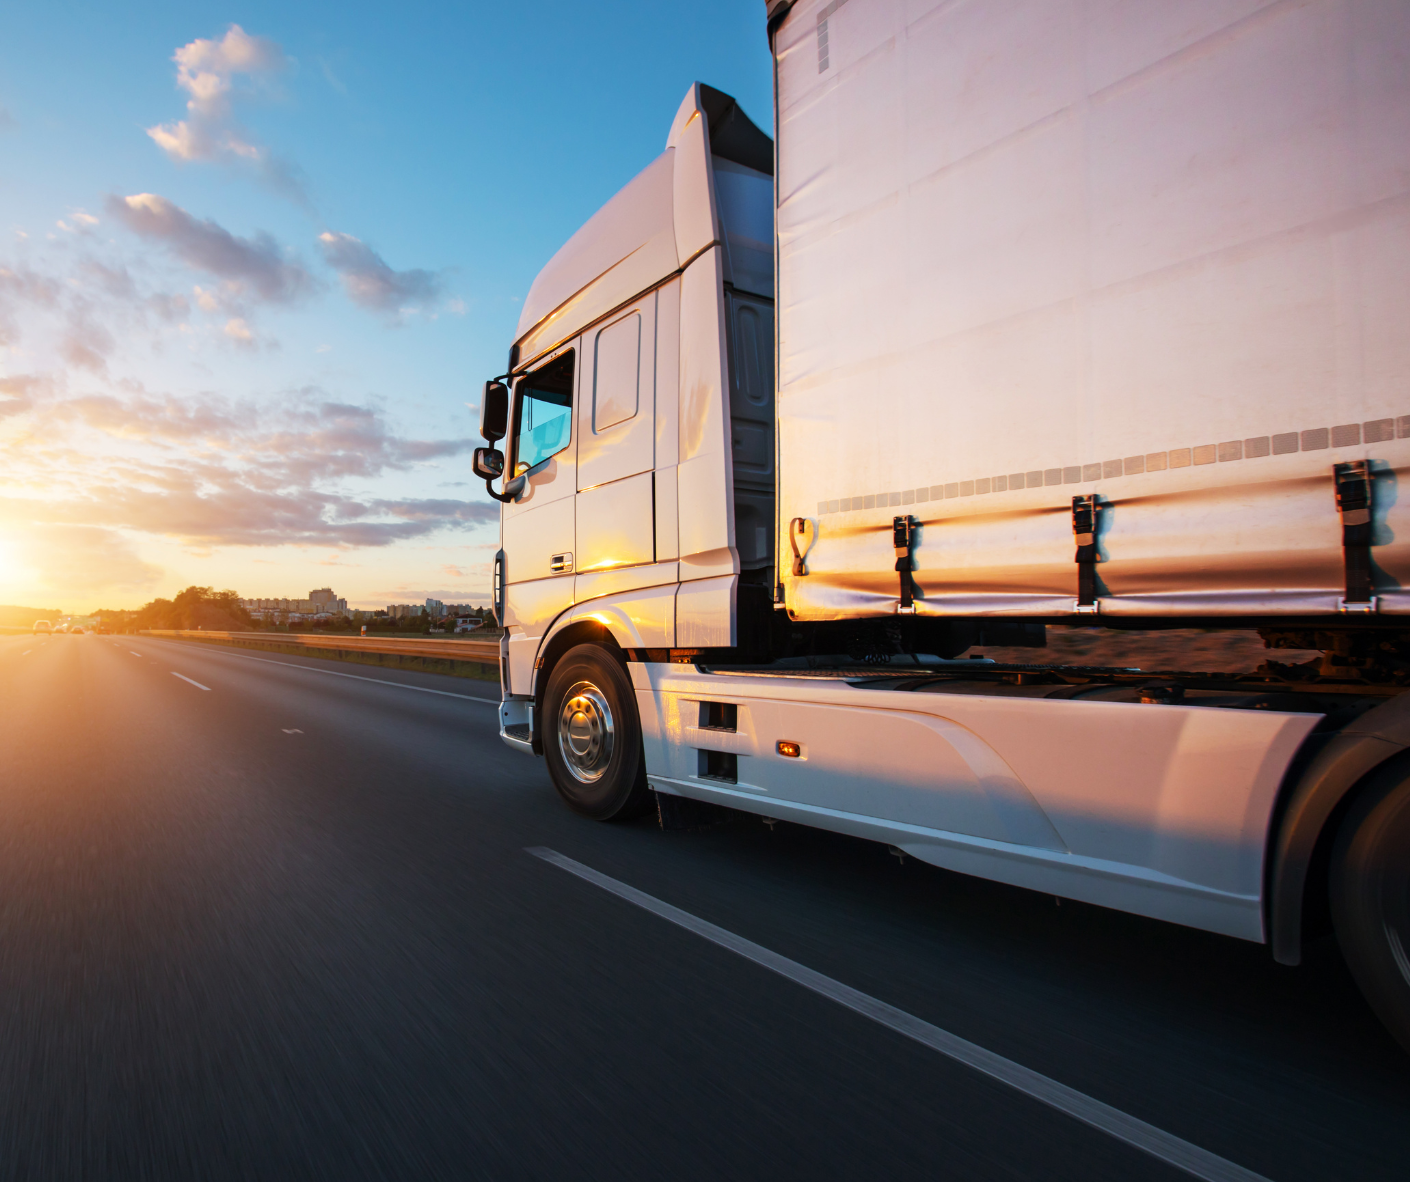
[(494, 411), (488, 463)]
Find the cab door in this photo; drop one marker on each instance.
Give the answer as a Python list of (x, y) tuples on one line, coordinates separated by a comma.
[(538, 525), (616, 446)]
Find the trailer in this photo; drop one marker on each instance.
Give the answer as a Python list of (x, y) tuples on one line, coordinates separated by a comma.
[(1032, 315)]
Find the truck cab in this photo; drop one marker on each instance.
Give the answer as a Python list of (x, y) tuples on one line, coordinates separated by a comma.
[(640, 422)]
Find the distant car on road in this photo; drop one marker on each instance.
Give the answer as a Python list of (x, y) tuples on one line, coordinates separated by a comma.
[(42, 626)]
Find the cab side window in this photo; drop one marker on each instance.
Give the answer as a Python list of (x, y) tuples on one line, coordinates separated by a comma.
[(543, 413)]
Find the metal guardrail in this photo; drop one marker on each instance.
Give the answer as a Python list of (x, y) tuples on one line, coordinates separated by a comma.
[(482, 651)]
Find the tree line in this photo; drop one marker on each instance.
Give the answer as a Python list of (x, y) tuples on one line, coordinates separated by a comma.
[(195, 607), (220, 611)]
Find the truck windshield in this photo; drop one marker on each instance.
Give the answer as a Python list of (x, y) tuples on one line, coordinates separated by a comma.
[(543, 417)]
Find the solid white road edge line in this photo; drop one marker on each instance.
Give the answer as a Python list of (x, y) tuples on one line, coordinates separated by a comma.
[(1112, 1121), (197, 684), (375, 680)]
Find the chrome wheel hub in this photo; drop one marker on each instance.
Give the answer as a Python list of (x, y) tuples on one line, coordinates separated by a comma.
[(585, 732)]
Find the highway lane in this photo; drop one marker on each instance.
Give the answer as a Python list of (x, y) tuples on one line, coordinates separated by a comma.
[(285, 925)]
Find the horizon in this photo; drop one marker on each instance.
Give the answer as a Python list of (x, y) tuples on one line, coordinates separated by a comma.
[(102, 608)]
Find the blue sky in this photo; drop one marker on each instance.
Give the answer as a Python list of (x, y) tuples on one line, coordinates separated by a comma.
[(255, 262)]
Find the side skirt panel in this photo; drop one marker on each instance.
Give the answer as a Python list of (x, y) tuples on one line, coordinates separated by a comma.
[(1087, 880), (1159, 810)]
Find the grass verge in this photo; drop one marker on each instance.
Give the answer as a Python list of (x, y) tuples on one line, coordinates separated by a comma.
[(472, 670)]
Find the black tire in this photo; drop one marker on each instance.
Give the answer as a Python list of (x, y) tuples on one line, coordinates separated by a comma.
[(592, 736), (1370, 896)]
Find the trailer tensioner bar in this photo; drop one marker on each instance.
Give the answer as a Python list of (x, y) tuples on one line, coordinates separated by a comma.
[(1084, 529), (1353, 488), (903, 537)]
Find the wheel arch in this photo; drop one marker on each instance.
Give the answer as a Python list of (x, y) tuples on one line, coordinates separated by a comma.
[(568, 634), (1312, 803)]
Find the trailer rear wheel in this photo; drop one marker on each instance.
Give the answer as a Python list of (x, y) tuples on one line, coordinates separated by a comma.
[(592, 736), (1370, 896)]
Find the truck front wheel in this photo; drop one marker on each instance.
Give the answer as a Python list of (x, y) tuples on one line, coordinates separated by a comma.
[(1370, 896), (592, 736)]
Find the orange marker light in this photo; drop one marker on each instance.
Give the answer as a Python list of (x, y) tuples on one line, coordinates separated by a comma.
[(791, 750)]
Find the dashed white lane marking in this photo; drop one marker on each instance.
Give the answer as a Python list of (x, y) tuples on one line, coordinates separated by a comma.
[(287, 731), (134, 654), (26, 652), (1112, 1121), (197, 684), (420, 689)]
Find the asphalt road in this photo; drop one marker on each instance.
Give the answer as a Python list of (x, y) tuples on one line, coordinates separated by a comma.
[(286, 926)]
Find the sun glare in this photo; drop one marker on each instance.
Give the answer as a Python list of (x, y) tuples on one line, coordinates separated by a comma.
[(13, 574)]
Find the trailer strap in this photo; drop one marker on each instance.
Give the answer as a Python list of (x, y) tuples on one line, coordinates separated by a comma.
[(903, 537), (1353, 489), (1084, 529)]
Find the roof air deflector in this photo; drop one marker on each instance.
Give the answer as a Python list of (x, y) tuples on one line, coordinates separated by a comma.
[(733, 135)]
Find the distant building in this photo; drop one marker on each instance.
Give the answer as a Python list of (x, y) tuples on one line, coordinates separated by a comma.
[(433, 608), (320, 604)]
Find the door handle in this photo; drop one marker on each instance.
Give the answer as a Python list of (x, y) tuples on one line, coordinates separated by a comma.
[(558, 563)]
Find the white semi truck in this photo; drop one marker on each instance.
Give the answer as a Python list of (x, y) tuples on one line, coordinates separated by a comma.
[(1037, 312)]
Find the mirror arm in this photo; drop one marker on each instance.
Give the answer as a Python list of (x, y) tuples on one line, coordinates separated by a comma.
[(512, 489)]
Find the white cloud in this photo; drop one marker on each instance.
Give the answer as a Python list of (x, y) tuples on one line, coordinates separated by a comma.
[(248, 265), (371, 283), (206, 471), (82, 222), (84, 444), (81, 353), (81, 314), (23, 290), (17, 394), (207, 70)]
